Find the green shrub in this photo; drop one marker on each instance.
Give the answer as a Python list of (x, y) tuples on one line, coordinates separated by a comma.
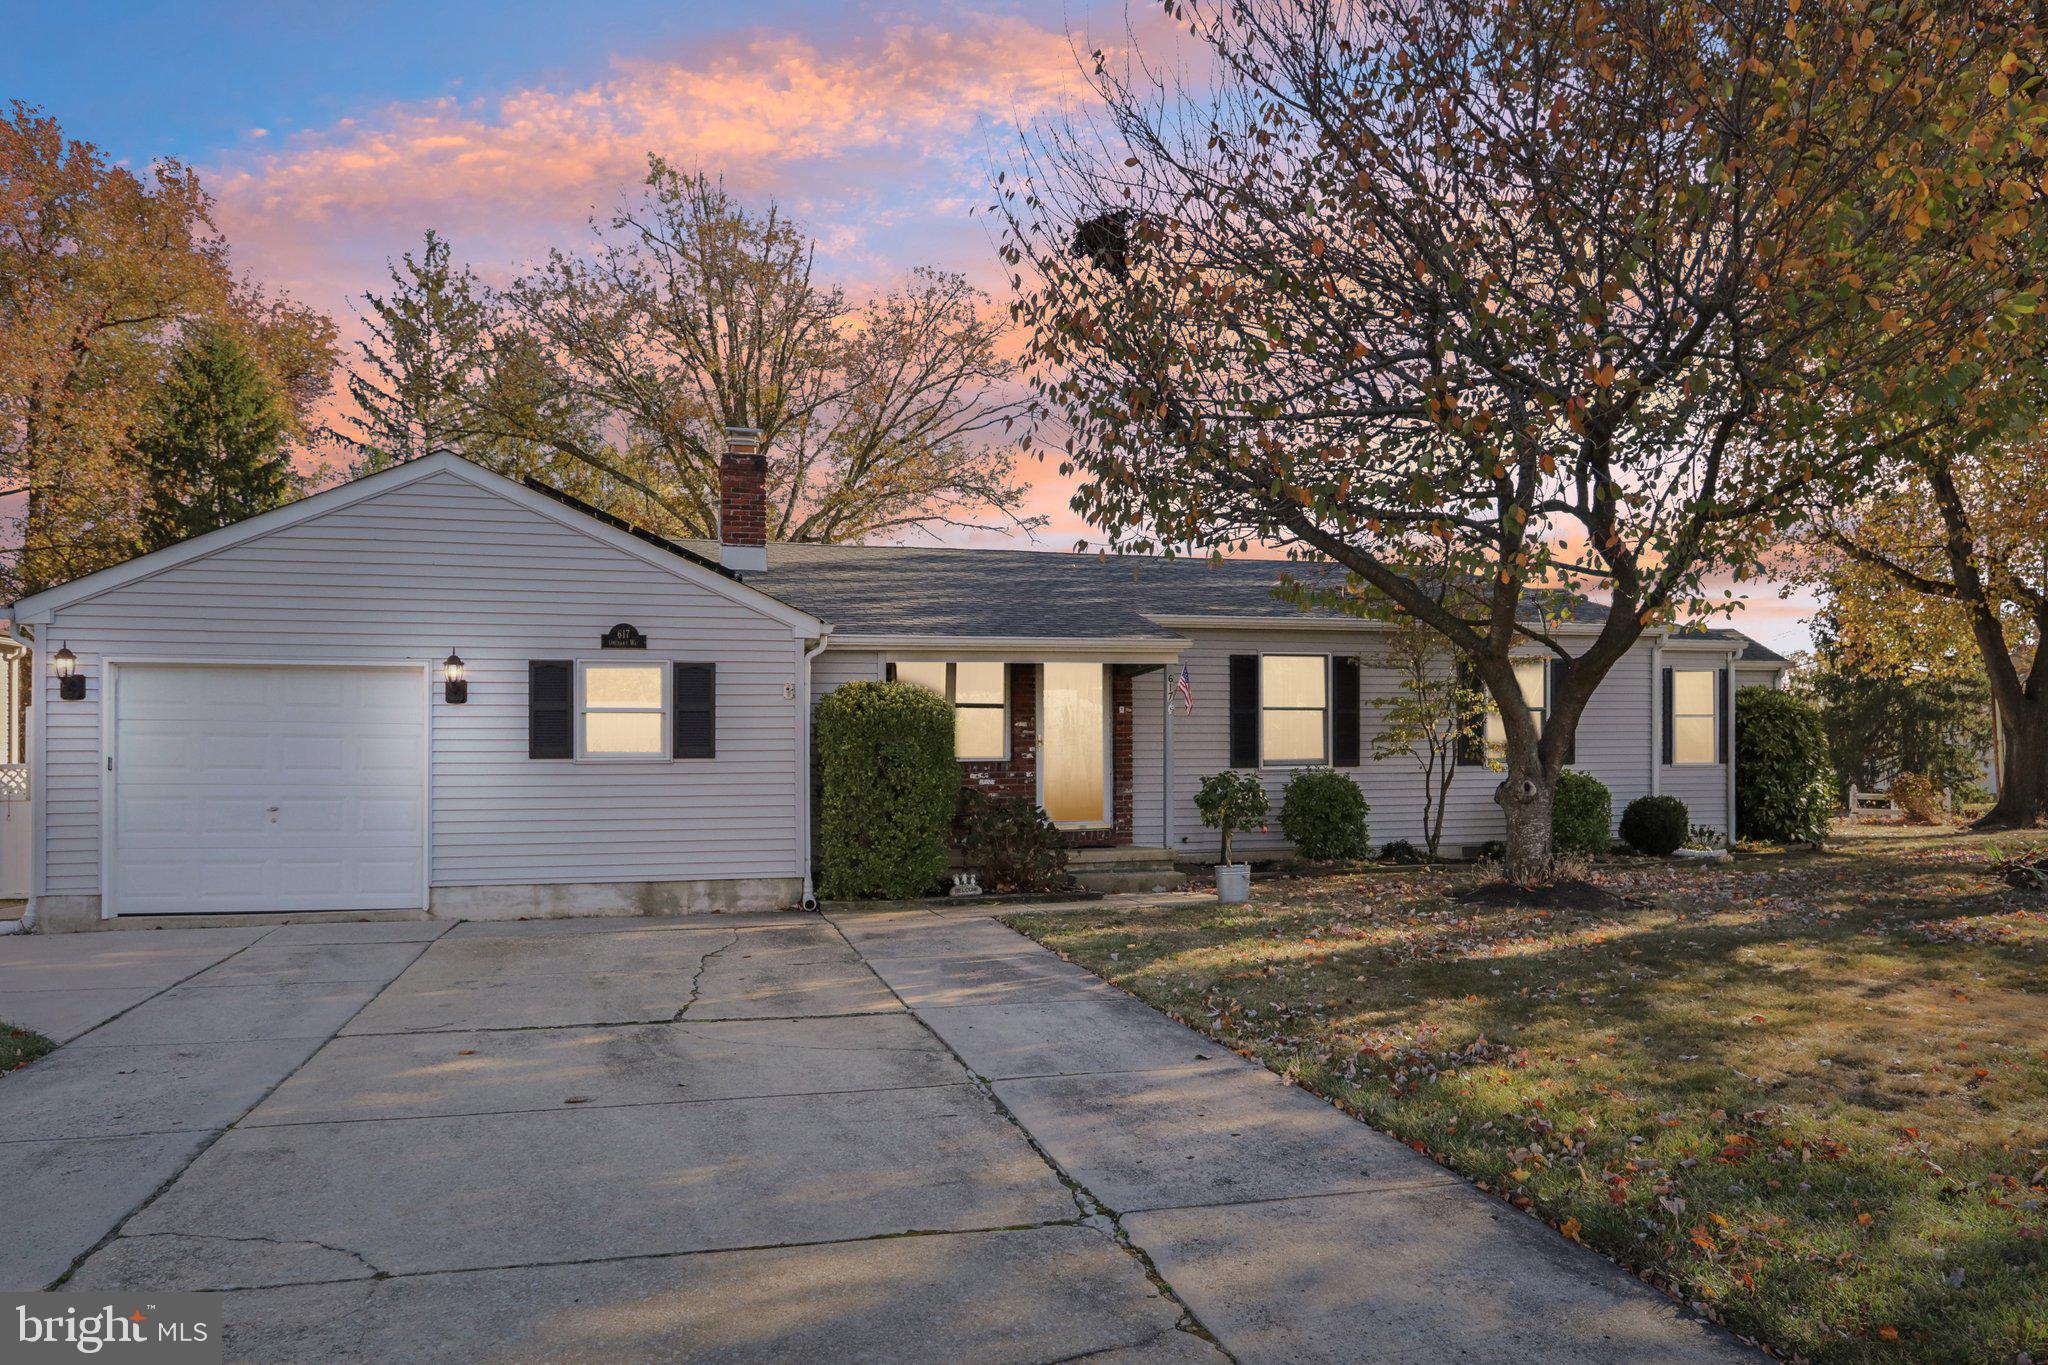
[(1231, 801), (886, 784), (1784, 779), (1322, 813), (1582, 816), (1656, 825), (1010, 843), (1402, 851), (1917, 797)]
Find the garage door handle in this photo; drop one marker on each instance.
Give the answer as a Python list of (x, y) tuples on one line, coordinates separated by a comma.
[(273, 815)]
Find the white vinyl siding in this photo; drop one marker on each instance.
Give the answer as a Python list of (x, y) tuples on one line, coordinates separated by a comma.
[(837, 666), (1613, 743), (1148, 729), (443, 563)]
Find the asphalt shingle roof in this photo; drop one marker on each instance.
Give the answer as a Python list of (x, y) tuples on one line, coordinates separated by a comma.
[(941, 591)]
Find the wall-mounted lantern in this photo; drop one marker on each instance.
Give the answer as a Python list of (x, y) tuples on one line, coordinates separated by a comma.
[(70, 683), (456, 676)]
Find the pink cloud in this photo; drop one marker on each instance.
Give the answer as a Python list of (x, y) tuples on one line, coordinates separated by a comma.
[(884, 136)]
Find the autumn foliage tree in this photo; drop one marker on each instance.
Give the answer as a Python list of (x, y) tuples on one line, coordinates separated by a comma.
[(1564, 294), (104, 271), (1945, 572)]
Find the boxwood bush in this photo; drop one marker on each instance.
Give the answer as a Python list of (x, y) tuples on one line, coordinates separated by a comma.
[(1583, 815), (886, 785), (1656, 825), (1784, 779), (1322, 813)]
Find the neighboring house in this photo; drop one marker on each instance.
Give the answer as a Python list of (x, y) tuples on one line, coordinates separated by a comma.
[(264, 718)]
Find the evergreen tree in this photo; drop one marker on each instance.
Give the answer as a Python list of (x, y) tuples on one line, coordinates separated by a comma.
[(214, 449), (428, 341)]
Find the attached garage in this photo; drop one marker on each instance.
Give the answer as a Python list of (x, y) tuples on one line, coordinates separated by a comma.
[(266, 788), (431, 691)]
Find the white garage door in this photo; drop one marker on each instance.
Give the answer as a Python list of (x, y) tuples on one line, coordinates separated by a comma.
[(267, 788)]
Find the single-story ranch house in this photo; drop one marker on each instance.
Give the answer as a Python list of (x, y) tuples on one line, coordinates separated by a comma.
[(437, 690)]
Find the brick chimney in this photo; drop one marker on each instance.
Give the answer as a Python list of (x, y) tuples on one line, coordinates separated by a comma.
[(743, 502)]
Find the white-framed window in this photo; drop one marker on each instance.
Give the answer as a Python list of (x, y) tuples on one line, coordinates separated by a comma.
[(980, 695), (1695, 715), (622, 709), (1294, 709), (1532, 676)]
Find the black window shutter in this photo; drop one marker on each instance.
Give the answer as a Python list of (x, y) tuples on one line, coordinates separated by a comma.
[(1244, 710), (1560, 669), (1670, 745), (1722, 711), (1471, 750), (550, 708), (696, 711), (1344, 714)]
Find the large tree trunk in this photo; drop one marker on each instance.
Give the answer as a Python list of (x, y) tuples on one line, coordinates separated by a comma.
[(2023, 778), (1526, 794)]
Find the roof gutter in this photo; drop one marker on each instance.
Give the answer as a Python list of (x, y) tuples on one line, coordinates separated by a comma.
[(1024, 648)]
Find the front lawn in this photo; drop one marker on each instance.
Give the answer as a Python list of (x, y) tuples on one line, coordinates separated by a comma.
[(1809, 1092)]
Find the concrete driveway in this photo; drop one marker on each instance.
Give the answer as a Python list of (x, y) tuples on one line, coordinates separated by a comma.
[(891, 1136)]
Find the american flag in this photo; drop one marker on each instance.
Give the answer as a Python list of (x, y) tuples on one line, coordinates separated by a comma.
[(1186, 687)]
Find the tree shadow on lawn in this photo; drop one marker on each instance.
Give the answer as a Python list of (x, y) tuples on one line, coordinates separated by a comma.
[(1801, 1091)]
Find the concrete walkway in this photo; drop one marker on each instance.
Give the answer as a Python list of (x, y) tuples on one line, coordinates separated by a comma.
[(884, 1136)]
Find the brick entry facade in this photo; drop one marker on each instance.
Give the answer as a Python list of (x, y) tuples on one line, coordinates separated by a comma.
[(1018, 775)]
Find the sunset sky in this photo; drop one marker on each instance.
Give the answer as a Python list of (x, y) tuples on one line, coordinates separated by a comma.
[(335, 134)]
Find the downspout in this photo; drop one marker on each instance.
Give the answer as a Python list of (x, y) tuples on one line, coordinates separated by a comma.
[(1729, 702), (803, 764), (1657, 716), (23, 645)]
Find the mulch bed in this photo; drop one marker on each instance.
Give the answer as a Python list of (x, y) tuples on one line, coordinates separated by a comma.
[(1565, 895)]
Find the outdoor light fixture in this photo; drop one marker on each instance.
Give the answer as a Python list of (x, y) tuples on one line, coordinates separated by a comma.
[(70, 686), (457, 676)]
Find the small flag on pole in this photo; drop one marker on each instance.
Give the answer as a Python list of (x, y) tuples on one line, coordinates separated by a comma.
[(1186, 687)]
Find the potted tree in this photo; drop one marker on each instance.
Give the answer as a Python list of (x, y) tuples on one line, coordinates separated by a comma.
[(1230, 801)]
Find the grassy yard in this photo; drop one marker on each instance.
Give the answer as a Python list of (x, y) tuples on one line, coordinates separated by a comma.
[(19, 1047), (1809, 1093)]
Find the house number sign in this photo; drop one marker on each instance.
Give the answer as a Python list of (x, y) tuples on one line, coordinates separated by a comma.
[(622, 636)]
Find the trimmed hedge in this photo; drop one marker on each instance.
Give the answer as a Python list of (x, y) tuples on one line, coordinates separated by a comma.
[(1582, 815), (886, 785), (1656, 825), (1322, 813), (1784, 779)]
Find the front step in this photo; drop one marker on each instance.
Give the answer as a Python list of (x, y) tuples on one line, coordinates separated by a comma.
[(1125, 869)]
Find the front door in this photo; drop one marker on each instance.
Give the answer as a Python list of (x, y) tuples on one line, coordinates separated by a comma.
[(1073, 744)]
